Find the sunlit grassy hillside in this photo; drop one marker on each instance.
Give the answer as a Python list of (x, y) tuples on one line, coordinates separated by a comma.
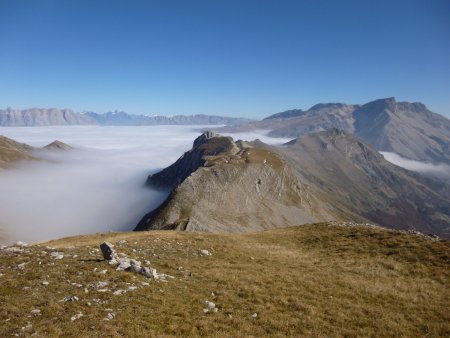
[(313, 280)]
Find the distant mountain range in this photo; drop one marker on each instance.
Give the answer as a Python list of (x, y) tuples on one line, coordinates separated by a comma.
[(53, 117), (408, 129), (227, 186)]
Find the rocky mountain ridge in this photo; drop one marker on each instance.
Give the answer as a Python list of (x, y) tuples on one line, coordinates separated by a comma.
[(222, 185)]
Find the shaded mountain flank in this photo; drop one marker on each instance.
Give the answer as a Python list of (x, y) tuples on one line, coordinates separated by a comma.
[(227, 186), (408, 129), (12, 151), (54, 116)]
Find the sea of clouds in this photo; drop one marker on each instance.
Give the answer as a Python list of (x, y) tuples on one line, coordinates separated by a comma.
[(98, 186)]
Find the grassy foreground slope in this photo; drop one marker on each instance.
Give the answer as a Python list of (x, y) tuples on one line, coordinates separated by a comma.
[(313, 280)]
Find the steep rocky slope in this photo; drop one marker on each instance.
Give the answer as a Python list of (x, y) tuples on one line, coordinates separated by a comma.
[(222, 185), (355, 174), (408, 129)]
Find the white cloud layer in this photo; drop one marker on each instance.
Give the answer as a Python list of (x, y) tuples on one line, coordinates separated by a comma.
[(97, 187), (422, 167)]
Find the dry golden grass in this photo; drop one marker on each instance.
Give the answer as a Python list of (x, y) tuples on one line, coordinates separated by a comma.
[(314, 280)]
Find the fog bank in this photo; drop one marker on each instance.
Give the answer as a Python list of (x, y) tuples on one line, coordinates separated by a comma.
[(419, 166)]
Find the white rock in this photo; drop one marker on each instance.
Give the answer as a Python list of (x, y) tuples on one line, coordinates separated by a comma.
[(119, 292), (255, 315), (210, 305), (44, 282), (110, 316), (205, 252), (77, 316), (71, 299), (20, 243), (101, 284), (21, 266), (36, 312), (56, 255), (103, 272)]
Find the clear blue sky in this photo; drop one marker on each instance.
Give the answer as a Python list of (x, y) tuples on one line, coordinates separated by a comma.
[(239, 58)]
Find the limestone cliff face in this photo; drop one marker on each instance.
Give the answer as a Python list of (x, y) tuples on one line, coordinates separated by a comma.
[(222, 185)]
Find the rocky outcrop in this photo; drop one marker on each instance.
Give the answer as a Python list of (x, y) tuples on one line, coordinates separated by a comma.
[(222, 185)]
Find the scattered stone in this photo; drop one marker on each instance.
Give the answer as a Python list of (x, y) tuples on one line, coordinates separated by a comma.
[(108, 251), (44, 283), (21, 266), (147, 262), (254, 315), (103, 272), (119, 292), (36, 312), (103, 290), (110, 316), (205, 252), (21, 244), (131, 288), (77, 316), (210, 305), (145, 284), (56, 255), (101, 284), (71, 299)]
